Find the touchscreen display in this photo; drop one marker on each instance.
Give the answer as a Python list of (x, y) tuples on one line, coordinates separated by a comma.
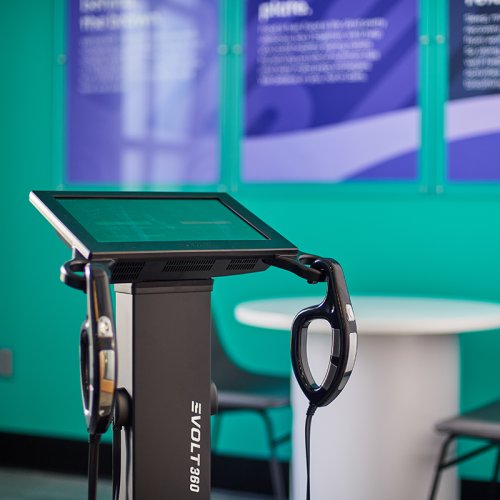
[(121, 220)]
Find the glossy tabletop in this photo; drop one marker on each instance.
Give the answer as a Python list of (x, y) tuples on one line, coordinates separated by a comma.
[(383, 315)]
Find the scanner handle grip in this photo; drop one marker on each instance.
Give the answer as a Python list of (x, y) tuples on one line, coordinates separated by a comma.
[(69, 274), (337, 310), (72, 272), (98, 358)]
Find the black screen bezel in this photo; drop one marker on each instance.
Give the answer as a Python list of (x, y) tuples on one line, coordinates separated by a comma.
[(76, 236)]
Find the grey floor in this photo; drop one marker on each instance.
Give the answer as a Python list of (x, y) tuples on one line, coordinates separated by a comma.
[(28, 485)]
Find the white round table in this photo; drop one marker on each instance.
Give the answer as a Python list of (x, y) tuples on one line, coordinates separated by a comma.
[(377, 440)]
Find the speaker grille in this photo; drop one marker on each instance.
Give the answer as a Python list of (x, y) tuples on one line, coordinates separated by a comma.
[(242, 264), (188, 265), (127, 271)]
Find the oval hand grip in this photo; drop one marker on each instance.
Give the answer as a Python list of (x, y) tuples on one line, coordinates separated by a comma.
[(337, 310), (98, 363)]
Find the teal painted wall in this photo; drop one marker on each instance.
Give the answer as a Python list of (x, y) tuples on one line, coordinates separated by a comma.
[(393, 241), (423, 245), (39, 318)]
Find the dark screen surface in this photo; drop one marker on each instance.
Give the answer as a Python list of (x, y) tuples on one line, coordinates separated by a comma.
[(153, 220), (153, 225)]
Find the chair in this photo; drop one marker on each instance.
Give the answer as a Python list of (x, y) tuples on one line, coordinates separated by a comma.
[(240, 390), (482, 424)]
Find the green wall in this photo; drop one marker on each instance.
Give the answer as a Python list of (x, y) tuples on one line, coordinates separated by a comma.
[(39, 317), (419, 241)]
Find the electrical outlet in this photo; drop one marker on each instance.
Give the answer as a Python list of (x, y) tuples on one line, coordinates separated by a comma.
[(6, 363)]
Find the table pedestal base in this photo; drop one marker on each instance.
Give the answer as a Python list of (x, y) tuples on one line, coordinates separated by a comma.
[(377, 440)]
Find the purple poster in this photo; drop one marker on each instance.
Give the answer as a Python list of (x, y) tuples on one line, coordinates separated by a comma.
[(473, 110), (331, 91), (142, 95)]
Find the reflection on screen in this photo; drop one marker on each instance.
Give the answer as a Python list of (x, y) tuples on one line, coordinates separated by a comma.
[(121, 220)]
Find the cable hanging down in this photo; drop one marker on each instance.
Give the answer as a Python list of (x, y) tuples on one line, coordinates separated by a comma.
[(309, 415), (116, 466), (93, 472)]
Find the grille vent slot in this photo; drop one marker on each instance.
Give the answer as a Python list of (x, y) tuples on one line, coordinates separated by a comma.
[(242, 264), (127, 271), (188, 265)]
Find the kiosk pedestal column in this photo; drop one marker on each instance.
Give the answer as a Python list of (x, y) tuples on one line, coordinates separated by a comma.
[(164, 355)]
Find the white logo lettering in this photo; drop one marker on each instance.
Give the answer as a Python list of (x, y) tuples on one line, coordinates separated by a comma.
[(481, 3), (195, 470), (287, 8)]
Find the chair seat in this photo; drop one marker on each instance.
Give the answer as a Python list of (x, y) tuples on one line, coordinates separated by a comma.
[(238, 401), (240, 389), (256, 392), (482, 423)]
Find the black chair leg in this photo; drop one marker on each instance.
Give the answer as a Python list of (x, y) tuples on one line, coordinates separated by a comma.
[(274, 465), (437, 473), (493, 484)]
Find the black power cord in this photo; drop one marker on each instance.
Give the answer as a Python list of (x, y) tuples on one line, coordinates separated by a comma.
[(121, 420), (117, 451), (309, 415), (93, 472)]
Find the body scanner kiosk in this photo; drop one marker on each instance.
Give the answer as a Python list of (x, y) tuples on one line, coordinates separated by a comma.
[(145, 368)]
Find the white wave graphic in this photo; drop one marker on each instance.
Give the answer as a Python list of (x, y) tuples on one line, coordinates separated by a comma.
[(332, 153), (472, 116)]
